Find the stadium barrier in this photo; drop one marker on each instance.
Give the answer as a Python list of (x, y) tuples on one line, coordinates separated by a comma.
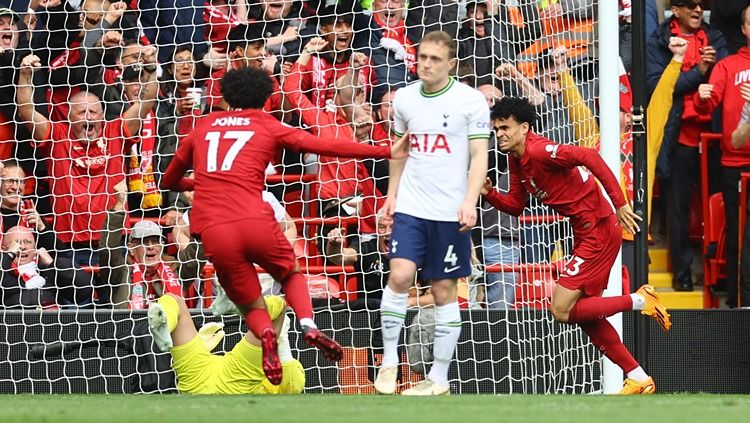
[(704, 352)]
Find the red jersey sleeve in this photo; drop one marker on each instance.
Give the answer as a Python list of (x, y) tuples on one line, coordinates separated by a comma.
[(570, 156), (174, 177), (311, 115), (514, 201), (45, 145), (718, 80), (299, 140)]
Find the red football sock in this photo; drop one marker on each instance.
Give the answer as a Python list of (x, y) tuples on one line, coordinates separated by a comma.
[(298, 295), (257, 321), (605, 337), (597, 308)]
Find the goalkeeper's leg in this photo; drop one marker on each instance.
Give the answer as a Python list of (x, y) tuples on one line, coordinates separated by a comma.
[(170, 322), (293, 381), (240, 281)]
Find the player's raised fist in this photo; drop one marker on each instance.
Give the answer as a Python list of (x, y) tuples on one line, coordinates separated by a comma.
[(359, 60), (115, 11), (487, 187), (315, 45), (704, 91), (400, 148), (678, 46), (30, 63)]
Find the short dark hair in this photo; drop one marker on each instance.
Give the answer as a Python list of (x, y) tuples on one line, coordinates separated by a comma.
[(329, 15), (244, 35), (517, 107), (246, 88), (743, 15)]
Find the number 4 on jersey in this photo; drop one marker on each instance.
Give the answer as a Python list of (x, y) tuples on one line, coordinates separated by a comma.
[(240, 139)]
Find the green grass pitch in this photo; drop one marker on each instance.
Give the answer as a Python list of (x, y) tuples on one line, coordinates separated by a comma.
[(684, 408)]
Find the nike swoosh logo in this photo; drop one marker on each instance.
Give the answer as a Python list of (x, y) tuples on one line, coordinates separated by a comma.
[(451, 269)]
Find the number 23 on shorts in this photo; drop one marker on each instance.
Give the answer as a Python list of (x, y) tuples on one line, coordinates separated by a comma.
[(573, 266)]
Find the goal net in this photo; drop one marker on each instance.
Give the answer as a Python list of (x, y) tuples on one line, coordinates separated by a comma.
[(87, 135)]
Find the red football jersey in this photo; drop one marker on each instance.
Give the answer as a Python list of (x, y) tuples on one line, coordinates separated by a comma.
[(551, 173), (229, 153), (83, 175)]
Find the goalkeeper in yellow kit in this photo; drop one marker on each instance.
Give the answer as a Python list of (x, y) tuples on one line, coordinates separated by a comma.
[(240, 371)]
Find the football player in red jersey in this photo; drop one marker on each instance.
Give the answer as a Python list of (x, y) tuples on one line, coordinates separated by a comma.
[(228, 152), (553, 174)]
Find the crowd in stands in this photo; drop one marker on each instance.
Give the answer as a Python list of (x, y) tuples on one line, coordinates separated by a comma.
[(95, 96)]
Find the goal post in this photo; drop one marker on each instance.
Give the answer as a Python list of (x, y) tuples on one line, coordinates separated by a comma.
[(609, 121)]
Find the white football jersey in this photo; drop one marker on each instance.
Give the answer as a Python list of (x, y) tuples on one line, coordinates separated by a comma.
[(441, 125)]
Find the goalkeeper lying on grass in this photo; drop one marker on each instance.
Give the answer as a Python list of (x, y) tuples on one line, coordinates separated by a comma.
[(239, 371)]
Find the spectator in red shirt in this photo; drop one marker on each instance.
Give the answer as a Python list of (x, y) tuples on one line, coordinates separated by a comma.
[(86, 155), (330, 62), (339, 178), (147, 274), (246, 49), (220, 18), (724, 88), (678, 163)]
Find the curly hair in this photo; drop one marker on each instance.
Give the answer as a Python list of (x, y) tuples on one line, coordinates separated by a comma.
[(246, 88), (519, 108), (244, 35)]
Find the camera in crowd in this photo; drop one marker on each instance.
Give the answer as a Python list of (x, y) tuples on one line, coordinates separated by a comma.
[(132, 72)]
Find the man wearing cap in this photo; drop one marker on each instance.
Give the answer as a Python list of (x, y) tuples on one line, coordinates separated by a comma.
[(678, 163), (146, 275)]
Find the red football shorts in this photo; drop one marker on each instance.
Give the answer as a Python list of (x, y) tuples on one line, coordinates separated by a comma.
[(234, 248), (593, 256)]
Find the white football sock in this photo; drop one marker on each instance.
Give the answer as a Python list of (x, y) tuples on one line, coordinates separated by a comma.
[(638, 301), (447, 331), (308, 323), (638, 374), (284, 349), (392, 314)]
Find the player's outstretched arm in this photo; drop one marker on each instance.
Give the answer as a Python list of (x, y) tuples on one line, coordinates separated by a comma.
[(299, 140)]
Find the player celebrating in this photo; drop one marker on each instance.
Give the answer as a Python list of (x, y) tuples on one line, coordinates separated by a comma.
[(229, 152), (551, 173), (433, 204), (237, 372)]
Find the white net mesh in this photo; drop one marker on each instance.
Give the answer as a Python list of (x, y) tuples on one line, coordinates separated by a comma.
[(116, 86)]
